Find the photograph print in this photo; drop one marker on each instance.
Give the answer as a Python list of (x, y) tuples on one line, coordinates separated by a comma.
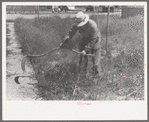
[(75, 52)]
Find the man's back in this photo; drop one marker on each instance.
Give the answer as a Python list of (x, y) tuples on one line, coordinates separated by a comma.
[(91, 29)]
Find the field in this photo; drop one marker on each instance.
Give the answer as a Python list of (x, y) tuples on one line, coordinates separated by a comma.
[(57, 72)]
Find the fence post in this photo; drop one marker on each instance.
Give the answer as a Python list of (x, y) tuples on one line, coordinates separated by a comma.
[(37, 8), (107, 29), (14, 8)]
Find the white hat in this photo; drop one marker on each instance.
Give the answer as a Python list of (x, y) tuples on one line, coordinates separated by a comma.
[(81, 19)]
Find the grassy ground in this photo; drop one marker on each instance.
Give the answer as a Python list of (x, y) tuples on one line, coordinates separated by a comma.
[(57, 72), (10, 20)]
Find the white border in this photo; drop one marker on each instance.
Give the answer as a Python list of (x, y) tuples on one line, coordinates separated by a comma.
[(64, 110)]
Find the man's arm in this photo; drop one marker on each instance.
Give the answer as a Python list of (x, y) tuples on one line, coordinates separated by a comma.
[(94, 38), (72, 31)]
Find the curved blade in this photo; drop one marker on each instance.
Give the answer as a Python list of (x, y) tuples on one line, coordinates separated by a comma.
[(16, 79), (23, 63)]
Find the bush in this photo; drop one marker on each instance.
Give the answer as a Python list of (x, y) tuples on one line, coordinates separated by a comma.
[(7, 41), (125, 56)]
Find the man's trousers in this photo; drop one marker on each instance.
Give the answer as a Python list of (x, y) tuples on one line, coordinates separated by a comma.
[(96, 60)]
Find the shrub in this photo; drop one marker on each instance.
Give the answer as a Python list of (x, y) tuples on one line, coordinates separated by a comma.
[(7, 41), (38, 36)]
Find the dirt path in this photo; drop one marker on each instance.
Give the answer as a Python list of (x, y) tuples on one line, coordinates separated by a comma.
[(13, 68)]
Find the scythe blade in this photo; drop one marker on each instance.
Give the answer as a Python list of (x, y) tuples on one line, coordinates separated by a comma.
[(16, 79), (23, 63)]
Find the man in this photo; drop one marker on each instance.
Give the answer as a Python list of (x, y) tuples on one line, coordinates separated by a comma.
[(90, 41)]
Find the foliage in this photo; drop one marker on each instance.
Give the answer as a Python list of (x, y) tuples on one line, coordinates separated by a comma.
[(57, 73), (7, 40)]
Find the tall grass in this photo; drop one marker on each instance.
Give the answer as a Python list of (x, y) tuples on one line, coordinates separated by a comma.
[(7, 40), (124, 43)]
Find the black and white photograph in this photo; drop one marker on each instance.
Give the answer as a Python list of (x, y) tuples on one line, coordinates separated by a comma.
[(81, 53)]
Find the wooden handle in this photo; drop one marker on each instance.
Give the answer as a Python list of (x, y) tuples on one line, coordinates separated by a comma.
[(57, 49), (43, 53), (81, 53)]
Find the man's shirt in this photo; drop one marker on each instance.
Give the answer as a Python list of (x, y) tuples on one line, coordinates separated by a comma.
[(91, 34)]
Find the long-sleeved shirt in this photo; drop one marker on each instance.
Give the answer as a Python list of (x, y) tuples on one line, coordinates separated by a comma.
[(91, 35)]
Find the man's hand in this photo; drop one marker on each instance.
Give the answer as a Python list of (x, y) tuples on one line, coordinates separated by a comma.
[(83, 52), (66, 37)]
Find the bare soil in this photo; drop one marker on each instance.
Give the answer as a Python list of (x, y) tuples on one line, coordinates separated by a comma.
[(22, 91)]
